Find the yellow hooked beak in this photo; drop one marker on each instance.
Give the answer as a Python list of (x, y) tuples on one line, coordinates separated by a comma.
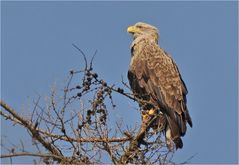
[(133, 29)]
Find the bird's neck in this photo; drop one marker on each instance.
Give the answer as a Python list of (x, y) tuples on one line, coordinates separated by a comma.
[(141, 40), (150, 38)]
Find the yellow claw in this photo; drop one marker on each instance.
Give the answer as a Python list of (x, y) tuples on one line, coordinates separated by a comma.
[(144, 115), (151, 112)]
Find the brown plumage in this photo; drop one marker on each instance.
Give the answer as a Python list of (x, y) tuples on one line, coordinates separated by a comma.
[(155, 78)]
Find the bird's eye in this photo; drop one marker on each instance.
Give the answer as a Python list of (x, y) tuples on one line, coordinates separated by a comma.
[(139, 26)]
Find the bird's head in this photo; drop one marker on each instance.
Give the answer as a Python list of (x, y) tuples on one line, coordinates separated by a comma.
[(141, 29)]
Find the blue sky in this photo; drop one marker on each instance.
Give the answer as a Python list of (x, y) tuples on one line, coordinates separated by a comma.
[(201, 37)]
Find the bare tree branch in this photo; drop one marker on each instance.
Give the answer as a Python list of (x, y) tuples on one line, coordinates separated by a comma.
[(74, 127), (32, 129), (29, 154)]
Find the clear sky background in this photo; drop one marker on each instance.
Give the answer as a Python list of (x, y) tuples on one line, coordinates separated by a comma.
[(201, 36)]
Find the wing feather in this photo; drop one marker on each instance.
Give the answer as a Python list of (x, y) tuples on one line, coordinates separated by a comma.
[(153, 72)]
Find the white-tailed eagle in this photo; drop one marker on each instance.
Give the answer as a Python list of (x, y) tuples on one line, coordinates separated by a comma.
[(155, 80)]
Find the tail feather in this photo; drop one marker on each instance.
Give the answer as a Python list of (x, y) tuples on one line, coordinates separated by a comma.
[(173, 133), (174, 128), (170, 140), (178, 142)]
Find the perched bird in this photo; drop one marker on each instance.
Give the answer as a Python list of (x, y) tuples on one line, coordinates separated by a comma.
[(157, 85)]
